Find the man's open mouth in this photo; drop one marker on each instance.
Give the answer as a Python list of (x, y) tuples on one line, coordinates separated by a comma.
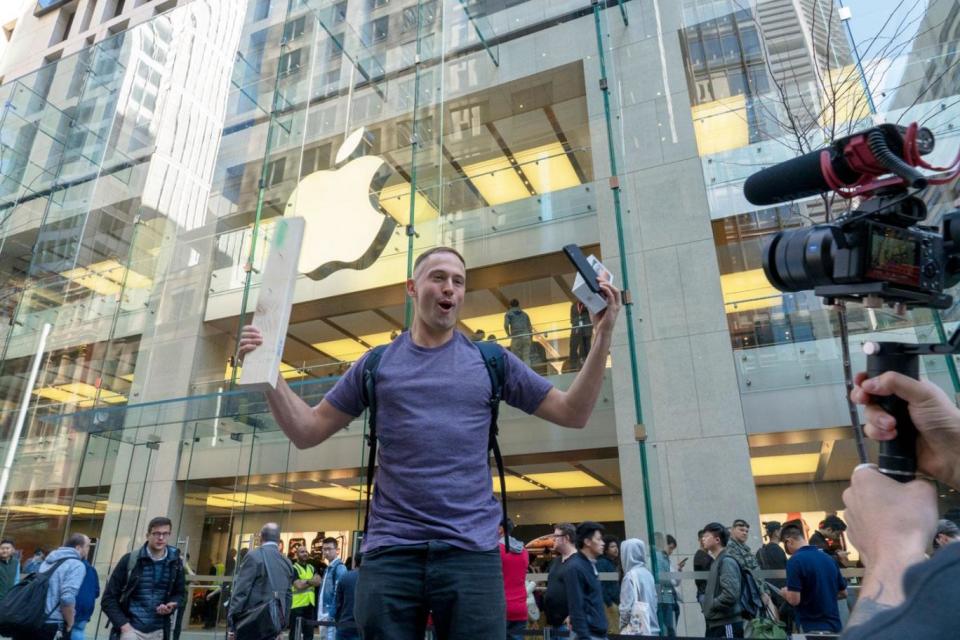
[(446, 305)]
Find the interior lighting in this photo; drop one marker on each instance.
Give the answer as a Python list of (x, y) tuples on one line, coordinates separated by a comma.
[(797, 463), (496, 181), (347, 494), (232, 500), (548, 168), (565, 480), (748, 290), (395, 200)]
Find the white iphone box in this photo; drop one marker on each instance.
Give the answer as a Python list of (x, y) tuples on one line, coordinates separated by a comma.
[(592, 301)]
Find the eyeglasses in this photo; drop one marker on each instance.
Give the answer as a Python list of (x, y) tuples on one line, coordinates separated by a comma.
[(160, 534)]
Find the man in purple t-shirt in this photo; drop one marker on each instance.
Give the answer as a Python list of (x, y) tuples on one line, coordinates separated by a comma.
[(432, 544)]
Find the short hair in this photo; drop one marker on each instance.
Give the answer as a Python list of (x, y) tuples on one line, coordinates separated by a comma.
[(75, 540), (833, 522), (718, 530), (671, 540), (945, 527), (270, 532), (568, 530), (740, 522), (159, 521), (586, 530), (772, 527), (514, 303), (429, 252), (791, 532), (699, 534), (333, 541), (7, 541)]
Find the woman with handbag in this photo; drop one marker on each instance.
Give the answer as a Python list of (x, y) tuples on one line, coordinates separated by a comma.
[(638, 592)]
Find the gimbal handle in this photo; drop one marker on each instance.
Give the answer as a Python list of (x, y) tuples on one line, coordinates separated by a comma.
[(898, 457)]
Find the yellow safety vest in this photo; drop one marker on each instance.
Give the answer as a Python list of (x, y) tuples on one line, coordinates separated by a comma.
[(303, 598)]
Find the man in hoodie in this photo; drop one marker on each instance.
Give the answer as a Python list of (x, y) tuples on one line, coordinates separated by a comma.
[(9, 567), (588, 619), (638, 586), (64, 584), (721, 601), (146, 587), (515, 560)]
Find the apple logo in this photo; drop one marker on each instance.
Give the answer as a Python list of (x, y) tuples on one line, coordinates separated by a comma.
[(344, 227)]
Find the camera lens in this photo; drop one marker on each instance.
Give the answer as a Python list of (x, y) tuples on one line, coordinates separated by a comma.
[(800, 259)]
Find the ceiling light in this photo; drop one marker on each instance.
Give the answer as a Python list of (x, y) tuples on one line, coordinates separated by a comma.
[(548, 168), (747, 290), (565, 480), (798, 463), (347, 494), (496, 180), (395, 200)]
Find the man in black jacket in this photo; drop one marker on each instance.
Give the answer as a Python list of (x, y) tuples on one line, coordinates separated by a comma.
[(265, 573), (146, 587), (588, 618)]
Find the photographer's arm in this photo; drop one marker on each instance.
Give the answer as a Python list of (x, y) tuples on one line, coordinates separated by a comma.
[(305, 426), (879, 511), (572, 408)]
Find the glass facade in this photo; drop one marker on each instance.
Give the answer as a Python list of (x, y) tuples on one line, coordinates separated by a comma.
[(141, 180)]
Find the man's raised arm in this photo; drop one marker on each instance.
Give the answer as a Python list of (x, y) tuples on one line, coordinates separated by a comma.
[(572, 408), (305, 426)]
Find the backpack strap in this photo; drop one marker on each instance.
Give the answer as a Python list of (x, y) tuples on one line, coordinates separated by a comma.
[(368, 394), (494, 358)]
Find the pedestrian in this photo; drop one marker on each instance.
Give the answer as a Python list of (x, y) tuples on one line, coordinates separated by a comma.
[(514, 559), (147, 585), (721, 600), (555, 607), (814, 584), (667, 596), (581, 333), (771, 556), (609, 562), (588, 619), (701, 562), (517, 324), (829, 538), (947, 533), (431, 540), (739, 550), (62, 589), (9, 566), (345, 598), (33, 564), (264, 575), (304, 600), (86, 600), (638, 592), (327, 610)]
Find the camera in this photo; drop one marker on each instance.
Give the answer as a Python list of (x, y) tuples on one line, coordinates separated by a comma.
[(878, 254)]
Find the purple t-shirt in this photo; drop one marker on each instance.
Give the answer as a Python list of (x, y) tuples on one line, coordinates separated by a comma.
[(433, 426)]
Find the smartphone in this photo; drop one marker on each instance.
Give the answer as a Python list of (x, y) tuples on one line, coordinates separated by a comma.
[(583, 267)]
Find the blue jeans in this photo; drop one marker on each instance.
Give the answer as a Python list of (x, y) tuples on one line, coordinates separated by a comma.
[(77, 632), (463, 591), (515, 629)]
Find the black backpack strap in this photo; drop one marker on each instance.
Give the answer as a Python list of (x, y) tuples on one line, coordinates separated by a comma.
[(494, 358), (369, 396)]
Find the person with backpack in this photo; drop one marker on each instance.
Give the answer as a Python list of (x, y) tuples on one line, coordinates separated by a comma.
[(814, 583), (146, 587), (264, 578), (431, 535), (43, 606), (517, 324), (721, 600), (86, 599)]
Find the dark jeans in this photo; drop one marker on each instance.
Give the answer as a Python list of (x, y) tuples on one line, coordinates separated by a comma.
[(308, 613), (515, 629), (400, 585), (734, 630), (46, 632)]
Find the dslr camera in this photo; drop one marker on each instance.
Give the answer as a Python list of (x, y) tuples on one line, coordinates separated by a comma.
[(878, 254)]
